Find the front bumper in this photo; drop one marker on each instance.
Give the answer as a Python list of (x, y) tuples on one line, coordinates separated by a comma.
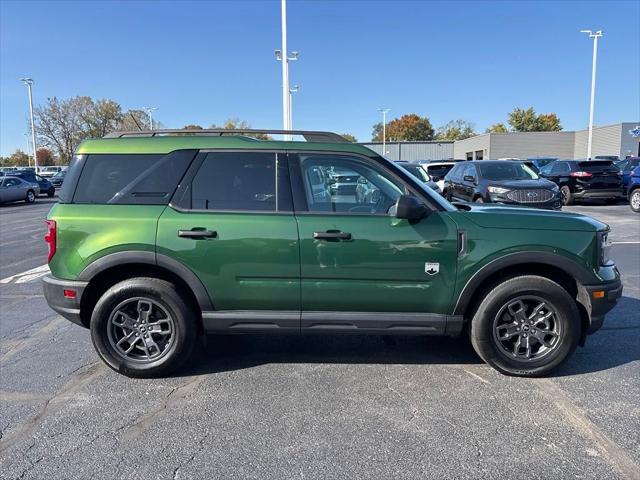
[(602, 298), (69, 308)]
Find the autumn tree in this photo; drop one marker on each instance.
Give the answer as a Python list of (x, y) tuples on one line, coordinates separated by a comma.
[(410, 127), (237, 124), (16, 159), (497, 128), (45, 157), (455, 130), (522, 120)]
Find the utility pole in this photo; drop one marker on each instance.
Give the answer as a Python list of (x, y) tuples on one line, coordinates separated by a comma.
[(384, 129), (149, 111), (595, 37), (28, 82), (283, 56), (292, 90)]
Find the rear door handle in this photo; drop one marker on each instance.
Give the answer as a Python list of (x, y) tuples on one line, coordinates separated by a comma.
[(332, 235), (197, 233)]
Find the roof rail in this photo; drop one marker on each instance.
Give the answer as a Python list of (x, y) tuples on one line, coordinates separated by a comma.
[(309, 136)]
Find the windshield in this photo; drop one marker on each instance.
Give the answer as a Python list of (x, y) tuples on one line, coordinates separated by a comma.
[(439, 170), (506, 171)]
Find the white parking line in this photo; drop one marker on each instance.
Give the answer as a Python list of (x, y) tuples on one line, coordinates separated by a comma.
[(27, 276), (629, 242)]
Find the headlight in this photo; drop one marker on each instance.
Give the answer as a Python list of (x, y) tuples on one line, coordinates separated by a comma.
[(605, 248), (497, 190)]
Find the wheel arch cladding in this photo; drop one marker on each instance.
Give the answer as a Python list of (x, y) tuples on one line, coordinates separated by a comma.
[(555, 267), (115, 267)]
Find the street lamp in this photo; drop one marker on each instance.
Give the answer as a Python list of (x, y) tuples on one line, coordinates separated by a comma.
[(282, 56), (28, 82), (595, 36), (149, 111), (292, 90), (384, 129)]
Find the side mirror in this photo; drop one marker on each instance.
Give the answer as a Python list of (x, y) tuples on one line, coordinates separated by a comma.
[(410, 208), (470, 178)]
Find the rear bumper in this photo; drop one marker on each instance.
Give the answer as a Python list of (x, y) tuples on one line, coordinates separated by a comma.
[(69, 308), (612, 291), (599, 193)]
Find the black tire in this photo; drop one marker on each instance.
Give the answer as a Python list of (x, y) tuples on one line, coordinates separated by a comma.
[(164, 295), (567, 196), (478, 200), (31, 196), (634, 200), (556, 298), (51, 192)]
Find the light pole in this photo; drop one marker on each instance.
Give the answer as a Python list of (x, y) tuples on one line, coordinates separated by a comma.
[(595, 36), (283, 56), (149, 111), (28, 82), (292, 90), (384, 129)]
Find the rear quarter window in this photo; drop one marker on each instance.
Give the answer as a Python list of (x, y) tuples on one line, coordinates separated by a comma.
[(129, 179)]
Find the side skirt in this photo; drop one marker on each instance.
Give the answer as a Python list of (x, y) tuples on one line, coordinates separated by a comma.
[(375, 323)]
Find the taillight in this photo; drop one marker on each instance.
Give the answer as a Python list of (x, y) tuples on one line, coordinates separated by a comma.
[(581, 174), (50, 238)]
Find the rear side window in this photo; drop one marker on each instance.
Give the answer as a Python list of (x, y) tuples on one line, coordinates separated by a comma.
[(244, 181), (130, 179), (596, 166)]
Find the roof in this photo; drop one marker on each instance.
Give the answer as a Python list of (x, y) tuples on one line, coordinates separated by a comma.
[(175, 141)]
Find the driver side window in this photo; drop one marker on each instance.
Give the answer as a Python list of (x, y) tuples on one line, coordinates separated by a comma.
[(343, 184)]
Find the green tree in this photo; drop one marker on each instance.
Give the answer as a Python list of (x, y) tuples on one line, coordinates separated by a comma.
[(376, 134), (16, 159), (350, 137), (409, 127), (237, 124), (497, 128), (522, 120), (455, 130), (192, 126)]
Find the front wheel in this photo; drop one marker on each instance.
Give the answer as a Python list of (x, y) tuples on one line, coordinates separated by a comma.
[(142, 327), (31, 197), (634, 200), (526, 326), (479, 200)]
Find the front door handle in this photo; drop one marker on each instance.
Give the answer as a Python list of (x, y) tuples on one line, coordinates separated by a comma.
[(332, 235), (197, 233)]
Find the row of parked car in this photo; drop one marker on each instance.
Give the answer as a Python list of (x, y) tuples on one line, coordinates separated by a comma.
[(541, 183), (26, 185)]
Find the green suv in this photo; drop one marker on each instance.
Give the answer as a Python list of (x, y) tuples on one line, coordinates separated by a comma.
[(160, 237)]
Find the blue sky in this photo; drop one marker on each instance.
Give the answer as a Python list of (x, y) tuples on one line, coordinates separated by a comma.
[(205, 61)]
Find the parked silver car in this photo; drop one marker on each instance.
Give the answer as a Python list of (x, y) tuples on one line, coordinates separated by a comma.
[(14, 189)]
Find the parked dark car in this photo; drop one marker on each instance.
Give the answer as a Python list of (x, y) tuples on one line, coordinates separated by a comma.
[(633, 188), (46, 187), (580, 179), (540, 162), (58, 179), (508, 182), (627, 166)]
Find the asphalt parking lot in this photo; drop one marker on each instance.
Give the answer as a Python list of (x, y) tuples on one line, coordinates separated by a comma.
[(309, 407)]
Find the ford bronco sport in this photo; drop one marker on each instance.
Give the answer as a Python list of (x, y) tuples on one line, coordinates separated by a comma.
[(162, 236)]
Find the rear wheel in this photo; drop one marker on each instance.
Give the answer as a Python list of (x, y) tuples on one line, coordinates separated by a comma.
[(31, 196), (141, 327), (634, 200), (567, 196), (51, 192), (526, 326)]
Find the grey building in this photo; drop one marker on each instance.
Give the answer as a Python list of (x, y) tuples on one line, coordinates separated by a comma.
[(411, 151), (610, 140)]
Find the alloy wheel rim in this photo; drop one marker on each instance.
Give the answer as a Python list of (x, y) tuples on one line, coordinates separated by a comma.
[(526, 328), (635, 200), (30, 196), (140, 330)]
